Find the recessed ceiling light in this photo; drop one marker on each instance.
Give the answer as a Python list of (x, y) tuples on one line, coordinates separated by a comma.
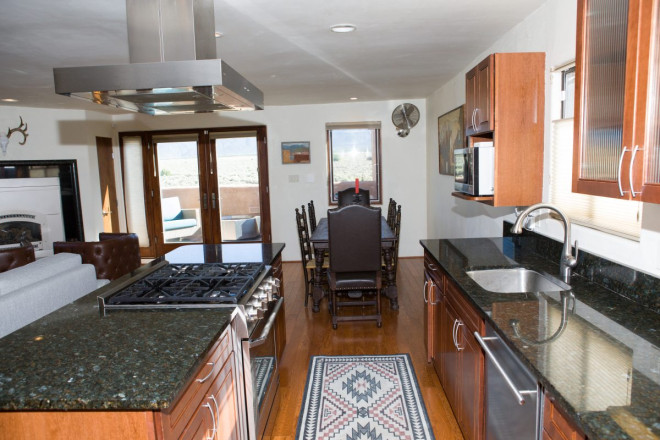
[(343, 28), (353, 98), (219, 35), (9, 100)]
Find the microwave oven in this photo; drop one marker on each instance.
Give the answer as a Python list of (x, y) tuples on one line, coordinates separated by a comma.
[(474, 169)]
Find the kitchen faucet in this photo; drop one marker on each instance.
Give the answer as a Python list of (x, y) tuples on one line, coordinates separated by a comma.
[(567, 260)]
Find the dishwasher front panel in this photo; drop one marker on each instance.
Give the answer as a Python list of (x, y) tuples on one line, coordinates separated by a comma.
[(506, 418)]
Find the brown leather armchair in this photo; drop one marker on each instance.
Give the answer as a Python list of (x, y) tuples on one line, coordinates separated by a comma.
[(114, 255), (15, 257)]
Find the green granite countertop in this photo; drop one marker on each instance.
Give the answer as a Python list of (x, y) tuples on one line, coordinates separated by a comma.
[(75, 359), (603, 369)]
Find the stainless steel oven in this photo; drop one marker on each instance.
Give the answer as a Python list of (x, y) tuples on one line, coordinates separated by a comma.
[(261, 368)]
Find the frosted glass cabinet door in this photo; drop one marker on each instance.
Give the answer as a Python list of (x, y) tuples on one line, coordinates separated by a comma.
[(617, 108), (605, 74)]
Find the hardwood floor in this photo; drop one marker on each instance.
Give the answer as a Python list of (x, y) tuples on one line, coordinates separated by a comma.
[(311, 333)]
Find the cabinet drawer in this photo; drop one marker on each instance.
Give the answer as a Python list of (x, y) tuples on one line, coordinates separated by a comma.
[(434, 270), (467, 312), (177, 417)]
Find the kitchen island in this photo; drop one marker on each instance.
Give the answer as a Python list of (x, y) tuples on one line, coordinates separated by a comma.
[(601, 369), (74, 359)]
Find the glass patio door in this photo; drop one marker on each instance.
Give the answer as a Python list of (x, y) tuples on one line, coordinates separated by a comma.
[(180, 188), (196, 187), (238, 190)]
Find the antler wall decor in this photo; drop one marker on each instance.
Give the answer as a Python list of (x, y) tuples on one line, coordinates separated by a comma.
[(4, 138)]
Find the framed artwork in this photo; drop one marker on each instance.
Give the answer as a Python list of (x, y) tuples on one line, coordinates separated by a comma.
[(295, 152), (451, 136)]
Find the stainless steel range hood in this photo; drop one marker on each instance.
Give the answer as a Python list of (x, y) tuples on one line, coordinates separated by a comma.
[(173, 65)]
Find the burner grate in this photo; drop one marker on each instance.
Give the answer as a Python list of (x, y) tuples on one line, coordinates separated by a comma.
[(209, 283)]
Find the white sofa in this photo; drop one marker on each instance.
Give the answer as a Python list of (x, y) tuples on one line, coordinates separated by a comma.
[(29, 292)]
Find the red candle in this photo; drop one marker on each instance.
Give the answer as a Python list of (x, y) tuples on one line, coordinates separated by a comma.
[(357, 186)]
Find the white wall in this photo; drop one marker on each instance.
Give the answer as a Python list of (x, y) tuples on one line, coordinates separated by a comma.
[(404, 177), (63, 134), (550, 29)]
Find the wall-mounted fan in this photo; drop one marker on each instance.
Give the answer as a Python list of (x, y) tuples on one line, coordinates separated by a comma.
[(405, 117)]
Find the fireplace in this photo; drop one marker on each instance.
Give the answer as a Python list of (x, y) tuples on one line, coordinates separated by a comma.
[(67, 172), (31, 211)]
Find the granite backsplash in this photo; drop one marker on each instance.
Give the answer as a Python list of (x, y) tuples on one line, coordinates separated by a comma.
[(637, 286)]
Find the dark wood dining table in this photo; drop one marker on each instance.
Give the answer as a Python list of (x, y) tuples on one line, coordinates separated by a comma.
[(320, 242)]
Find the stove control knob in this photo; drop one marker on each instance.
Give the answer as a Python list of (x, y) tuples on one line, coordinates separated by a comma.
[(273, 281), (251, 313), (263, 296)]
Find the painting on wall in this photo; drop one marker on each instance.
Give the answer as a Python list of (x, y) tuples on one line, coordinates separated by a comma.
[(450, 137), (295, 152)]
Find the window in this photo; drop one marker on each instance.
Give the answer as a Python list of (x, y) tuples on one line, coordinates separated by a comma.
[(354, 153), (618, 217)]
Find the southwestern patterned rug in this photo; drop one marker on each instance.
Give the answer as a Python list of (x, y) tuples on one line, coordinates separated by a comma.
[(362, 397)]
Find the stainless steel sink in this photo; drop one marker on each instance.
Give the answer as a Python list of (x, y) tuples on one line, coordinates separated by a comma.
[(517, 280)]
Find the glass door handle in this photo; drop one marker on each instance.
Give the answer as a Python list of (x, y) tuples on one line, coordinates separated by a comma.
[(205, 201), (213, 200)]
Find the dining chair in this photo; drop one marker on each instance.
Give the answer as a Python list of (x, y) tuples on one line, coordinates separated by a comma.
[(391, 213), (306, 253), (312, 215), (348, 197), (396, 229), (354, 240)]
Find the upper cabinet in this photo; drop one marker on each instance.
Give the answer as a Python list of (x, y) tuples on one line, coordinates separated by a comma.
[(479, 97), (504, 104), (617, 115)]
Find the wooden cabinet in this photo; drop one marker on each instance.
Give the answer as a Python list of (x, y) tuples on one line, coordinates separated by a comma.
[(505, 102), (433, 288), (555, 424), (456, 355), (617, 99), (479, 97), (210, 403)]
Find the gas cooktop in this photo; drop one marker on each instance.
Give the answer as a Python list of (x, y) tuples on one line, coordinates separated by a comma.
[(208, 283)]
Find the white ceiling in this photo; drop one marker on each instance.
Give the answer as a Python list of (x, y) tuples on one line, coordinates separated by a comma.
[(401, 49)]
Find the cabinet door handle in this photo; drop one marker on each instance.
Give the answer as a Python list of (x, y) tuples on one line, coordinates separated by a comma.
[(618, 177), (476, 118), (458, 326), (204, 379), (217, 408), (205, 201), (426, 300), (213, 200), (215, 428), (453, 333), (474, 125), (631, 170)]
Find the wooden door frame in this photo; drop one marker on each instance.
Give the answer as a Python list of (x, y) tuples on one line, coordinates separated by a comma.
[(210, 226), (107, 180)]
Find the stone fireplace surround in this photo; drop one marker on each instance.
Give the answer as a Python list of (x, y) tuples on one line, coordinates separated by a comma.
[(31, 211), (66, 170)]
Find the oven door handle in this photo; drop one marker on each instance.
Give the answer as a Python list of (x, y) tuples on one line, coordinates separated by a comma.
[(266, 330)]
